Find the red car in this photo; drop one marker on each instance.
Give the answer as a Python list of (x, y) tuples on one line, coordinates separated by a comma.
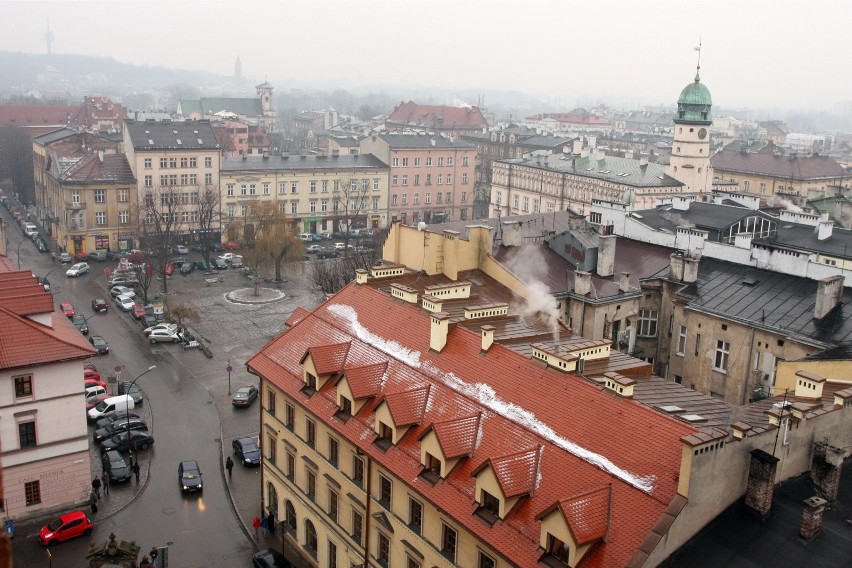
[(137, 311), (91, 374), (89, 365), (93, 383), (66, 527), (67, 309), (93, 402), (170, 268)]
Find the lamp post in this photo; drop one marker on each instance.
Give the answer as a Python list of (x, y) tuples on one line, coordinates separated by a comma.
[(18, 255), (229, 369), (127, 414)]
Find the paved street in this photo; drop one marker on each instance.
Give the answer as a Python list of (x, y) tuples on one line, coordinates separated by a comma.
[(188, 408)]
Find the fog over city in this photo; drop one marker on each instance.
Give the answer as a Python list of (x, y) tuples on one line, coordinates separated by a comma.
[(785, 55)]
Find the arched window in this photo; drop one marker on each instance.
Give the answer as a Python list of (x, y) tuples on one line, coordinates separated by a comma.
[(310, 537), (290, 517), (271, 498)]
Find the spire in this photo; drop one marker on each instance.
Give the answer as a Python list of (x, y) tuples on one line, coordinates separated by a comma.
[(698, 65)]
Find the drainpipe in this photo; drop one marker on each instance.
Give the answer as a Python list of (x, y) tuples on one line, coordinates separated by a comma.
[(367, 507), (744, 398)]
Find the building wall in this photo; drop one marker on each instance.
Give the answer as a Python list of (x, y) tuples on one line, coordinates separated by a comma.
[(836, 370), (767, 185), (690, 158), (79, 229)]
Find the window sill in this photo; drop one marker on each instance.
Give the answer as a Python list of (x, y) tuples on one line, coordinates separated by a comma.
[(720, 371)]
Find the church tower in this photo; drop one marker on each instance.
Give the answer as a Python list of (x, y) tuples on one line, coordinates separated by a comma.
[(690, 159), (238, 68), (270, 116)]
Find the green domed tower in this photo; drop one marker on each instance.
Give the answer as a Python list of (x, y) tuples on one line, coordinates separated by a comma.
[(690, 158)]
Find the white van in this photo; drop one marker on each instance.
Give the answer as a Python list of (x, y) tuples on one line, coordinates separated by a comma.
[(110, 406), (30, 229), (306, 237), (93, 391)]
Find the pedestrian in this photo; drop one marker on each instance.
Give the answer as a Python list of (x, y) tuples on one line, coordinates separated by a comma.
[(153, 554), (53, 256), (229, 465), (135, 470), (96, 487), (264, 530), (106, 482), (270, 523), (255, 522), (144, 561), (93, 502)]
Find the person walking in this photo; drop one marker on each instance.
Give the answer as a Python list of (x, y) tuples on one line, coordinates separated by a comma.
[(264, 530), (255, 523), (135, 470), (153, 555), (106, 482), (144, 561), (229, 465), (270, 523), (93, 502), (96, 487)]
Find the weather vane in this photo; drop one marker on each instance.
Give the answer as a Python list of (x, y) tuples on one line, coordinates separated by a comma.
[(698, 49)]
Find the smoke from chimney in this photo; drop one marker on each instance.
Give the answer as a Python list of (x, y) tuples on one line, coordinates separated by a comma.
[(539, 301)]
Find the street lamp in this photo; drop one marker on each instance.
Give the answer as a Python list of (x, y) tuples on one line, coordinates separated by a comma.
[(127, 414), (229, 369), (19, 254)]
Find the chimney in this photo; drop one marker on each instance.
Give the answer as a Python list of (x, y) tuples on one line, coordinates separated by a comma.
[(266, 154), (812, 517), (511, 233), (624, 282), (438, 332), (582, 282), (680, 203), (335, 152), (690, 269), (606, 255), (643, 162), (761, 482), (676, 266), (826, 465), (487, 336), (285, 155), (824, 228), (101, 156), (361, 276), (829, 294)]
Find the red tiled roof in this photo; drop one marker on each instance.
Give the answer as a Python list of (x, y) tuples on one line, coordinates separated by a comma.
[(22, 294), (298, 315), (91, 168), (37, 115), (786, 167), (588, 437), (27, 343), (436, 117), (365, 381), (515, 473), (457, 437), (328, 358), (407, 408), (587, 514)]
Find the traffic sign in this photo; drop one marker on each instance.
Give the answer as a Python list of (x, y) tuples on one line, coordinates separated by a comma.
[(107, 271)]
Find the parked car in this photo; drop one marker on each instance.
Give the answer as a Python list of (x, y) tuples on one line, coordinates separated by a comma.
[(244, 396), (102, 423), (91, 374), (237, 262), (216, 247), (100, 344), (310, 249), (163, 336), (227, 257), (77, 269), (124, 302), (96, 400), (343, 246), (67, 309), (162, 325), (170, 268), (116, 291), (116, 467), (137, 311), (93, 383), (99, 305), (117, 427), (189, 476), (67, 526), (93, 391), (41, 245), (133, 390), (45, 283), (138, 440), (79, 322), (180, 249), (205, 266), (269, 558), (328, 253), (220, 264), (97, 255), (187, 267), (64, 257), (148, 320), (247, 451)]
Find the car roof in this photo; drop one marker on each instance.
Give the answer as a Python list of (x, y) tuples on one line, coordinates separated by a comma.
[(189, 464), (72, 515)]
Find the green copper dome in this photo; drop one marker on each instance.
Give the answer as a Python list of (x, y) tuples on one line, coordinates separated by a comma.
[(694, 104)]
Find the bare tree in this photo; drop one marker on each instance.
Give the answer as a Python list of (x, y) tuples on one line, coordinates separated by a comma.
[(350, 205), (159, 222), (209, 218), (333, 274), (143, 271), (180, 311), (269, 237)]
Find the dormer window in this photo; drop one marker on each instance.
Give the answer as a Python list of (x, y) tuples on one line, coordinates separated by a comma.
[(344, 406), (489, 507), (431, 468), (384, 439), (310, 384), (556, 549)]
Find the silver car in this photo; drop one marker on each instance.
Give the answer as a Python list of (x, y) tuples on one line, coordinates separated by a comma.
[(77, 269), (162, 335)]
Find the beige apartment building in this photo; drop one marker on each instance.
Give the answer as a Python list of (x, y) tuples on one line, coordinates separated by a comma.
[(318, 194), (432, 178)]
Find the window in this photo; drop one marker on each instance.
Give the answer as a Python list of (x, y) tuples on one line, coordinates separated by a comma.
[(147, 163), (395, 181), (404, 199), (291, 466), (27, 434), (164, 162), (173, 163), (345, 411), (428, 179), (427, 198), (294, 207), (100, 218), (720, 361), (385, 490), (681, 341), (184, 179), (23, 386), (416, 162), (375, 204), (332, 555), (464, 197), (184, 162), (405, 162), (100, 196), (376, 182), (123, 217), (490, 503), (357, 471), (485, 561), (290, 517), (271, 448), (557, 549), (282, 187), (440, 179), (415, 515), (208, 179), (411, 563), (208, 162), (429, 162), (122, 195), (385, 434), (312, 205), (449, 179), (404, 180), (266, 188), (448, 542), (310, 538), (32, 492), (230, 189), (383, 552), (193, 162), (697, 342), (416, 199), (395, 162), (440, 162), (193, 179), (464, 179), (332, 503), (311, 485), (149, 181), (648, 323), (310, 432), (416, 179), (270, 402), (294, 187), (357, 526), (465, 161)]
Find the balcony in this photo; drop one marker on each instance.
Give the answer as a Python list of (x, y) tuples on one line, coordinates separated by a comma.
[(71, 206)]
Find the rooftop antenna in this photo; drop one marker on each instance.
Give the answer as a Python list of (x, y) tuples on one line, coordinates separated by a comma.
[(48, 37), (698, 65)]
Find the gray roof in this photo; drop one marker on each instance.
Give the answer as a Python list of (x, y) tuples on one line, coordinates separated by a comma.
[(192, 135), (699, 215), (54, 136), (777, 302), (211, 105), (398, 141), (277, 163), (804, 238), (624, 171)]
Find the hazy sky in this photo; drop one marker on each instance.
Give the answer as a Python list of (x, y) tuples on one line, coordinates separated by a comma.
[(756, 53)]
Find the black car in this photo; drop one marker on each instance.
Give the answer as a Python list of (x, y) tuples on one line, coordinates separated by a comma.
[(269, 558), (139, 440), (41, 245), (102, 423), (216, 247), (149, 320), (117, 468), (201, 265), (110, 430), (79, 322), (187, 267), (133, 390), (100, 344), (189, 476), (328, 253), (247, 451), (220, 264), (99, 305)]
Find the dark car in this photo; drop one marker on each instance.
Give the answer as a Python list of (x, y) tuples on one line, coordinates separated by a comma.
[(102, 423), (247, 451), (244, 396), (100, 344), (116, 467), (269, 558), (189, 476), (117, 427), (99, 305), (148, 320), (79, 322), (41, 245), (328, 253), (139, 440), (134, 392), (216, 247), (67, 526), (187, 267), (220, 264), (205, 266)]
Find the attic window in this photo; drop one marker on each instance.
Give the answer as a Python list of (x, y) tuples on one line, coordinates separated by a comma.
[(310, 384), (151, 142), (384, 438), (345, 409), (489, 508), (179, 142), (749, 282), (200, 141), (431, 469)]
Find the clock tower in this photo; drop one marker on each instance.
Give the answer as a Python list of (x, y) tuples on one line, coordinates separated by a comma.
[(690, 159)]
